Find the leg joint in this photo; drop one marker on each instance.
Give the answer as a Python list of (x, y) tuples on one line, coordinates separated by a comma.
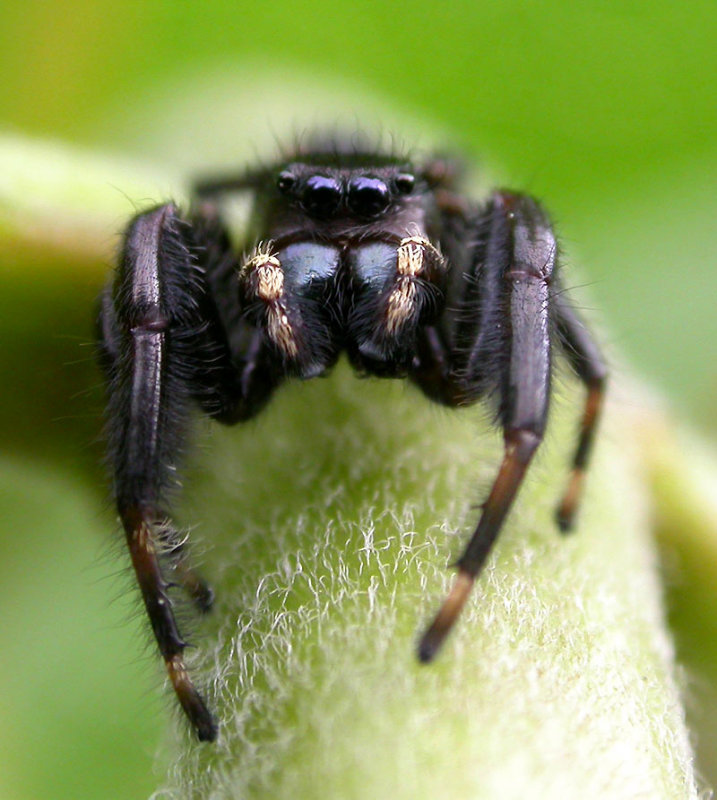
[(523, 443)]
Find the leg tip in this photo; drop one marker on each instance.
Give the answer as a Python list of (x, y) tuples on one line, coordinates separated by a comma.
[(191, 700), (207, 729), (565, 521), (434, 637), (203, 722), (565, 516), (204, 597), (427, 649)]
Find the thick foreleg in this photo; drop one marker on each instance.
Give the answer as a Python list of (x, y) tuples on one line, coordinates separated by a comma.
[(164, 348), (520, 254), (147, 319)]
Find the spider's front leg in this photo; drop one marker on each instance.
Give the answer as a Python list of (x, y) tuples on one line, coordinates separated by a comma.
[(511, 350), (163, 347)]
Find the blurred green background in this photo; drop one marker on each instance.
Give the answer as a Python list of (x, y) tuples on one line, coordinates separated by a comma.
[(606, 111)]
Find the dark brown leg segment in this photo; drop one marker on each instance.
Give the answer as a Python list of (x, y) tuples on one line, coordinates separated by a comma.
[(520, 446), (588, 363), (139, 530)]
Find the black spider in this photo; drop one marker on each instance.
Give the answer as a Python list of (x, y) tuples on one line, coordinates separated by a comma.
[(353, 251)]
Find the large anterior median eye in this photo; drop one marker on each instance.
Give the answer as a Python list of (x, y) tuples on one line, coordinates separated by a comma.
[(368, 197), (321, 196)]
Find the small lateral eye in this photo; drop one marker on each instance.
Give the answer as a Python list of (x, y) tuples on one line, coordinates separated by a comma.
[(405, 182), (285, 181), (321, 195), (368, 197)]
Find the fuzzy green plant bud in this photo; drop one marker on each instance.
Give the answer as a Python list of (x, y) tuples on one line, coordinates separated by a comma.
[(331, 522)]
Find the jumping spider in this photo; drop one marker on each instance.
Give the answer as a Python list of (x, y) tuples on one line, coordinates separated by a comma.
[(356, 251)]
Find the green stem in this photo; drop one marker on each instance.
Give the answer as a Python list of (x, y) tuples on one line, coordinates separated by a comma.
[(331, 522)]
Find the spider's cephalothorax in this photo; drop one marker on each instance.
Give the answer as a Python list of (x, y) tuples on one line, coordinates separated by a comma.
[(349, 251)]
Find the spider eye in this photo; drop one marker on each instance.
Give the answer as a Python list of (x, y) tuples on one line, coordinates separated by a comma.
[(368, 197), (321, 196), (405, 182), (285, 181)]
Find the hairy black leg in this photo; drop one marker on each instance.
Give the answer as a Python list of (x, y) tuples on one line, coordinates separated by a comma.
[(171, 544), (523, 258), (587, 361), (147, 324), (163, 346)]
